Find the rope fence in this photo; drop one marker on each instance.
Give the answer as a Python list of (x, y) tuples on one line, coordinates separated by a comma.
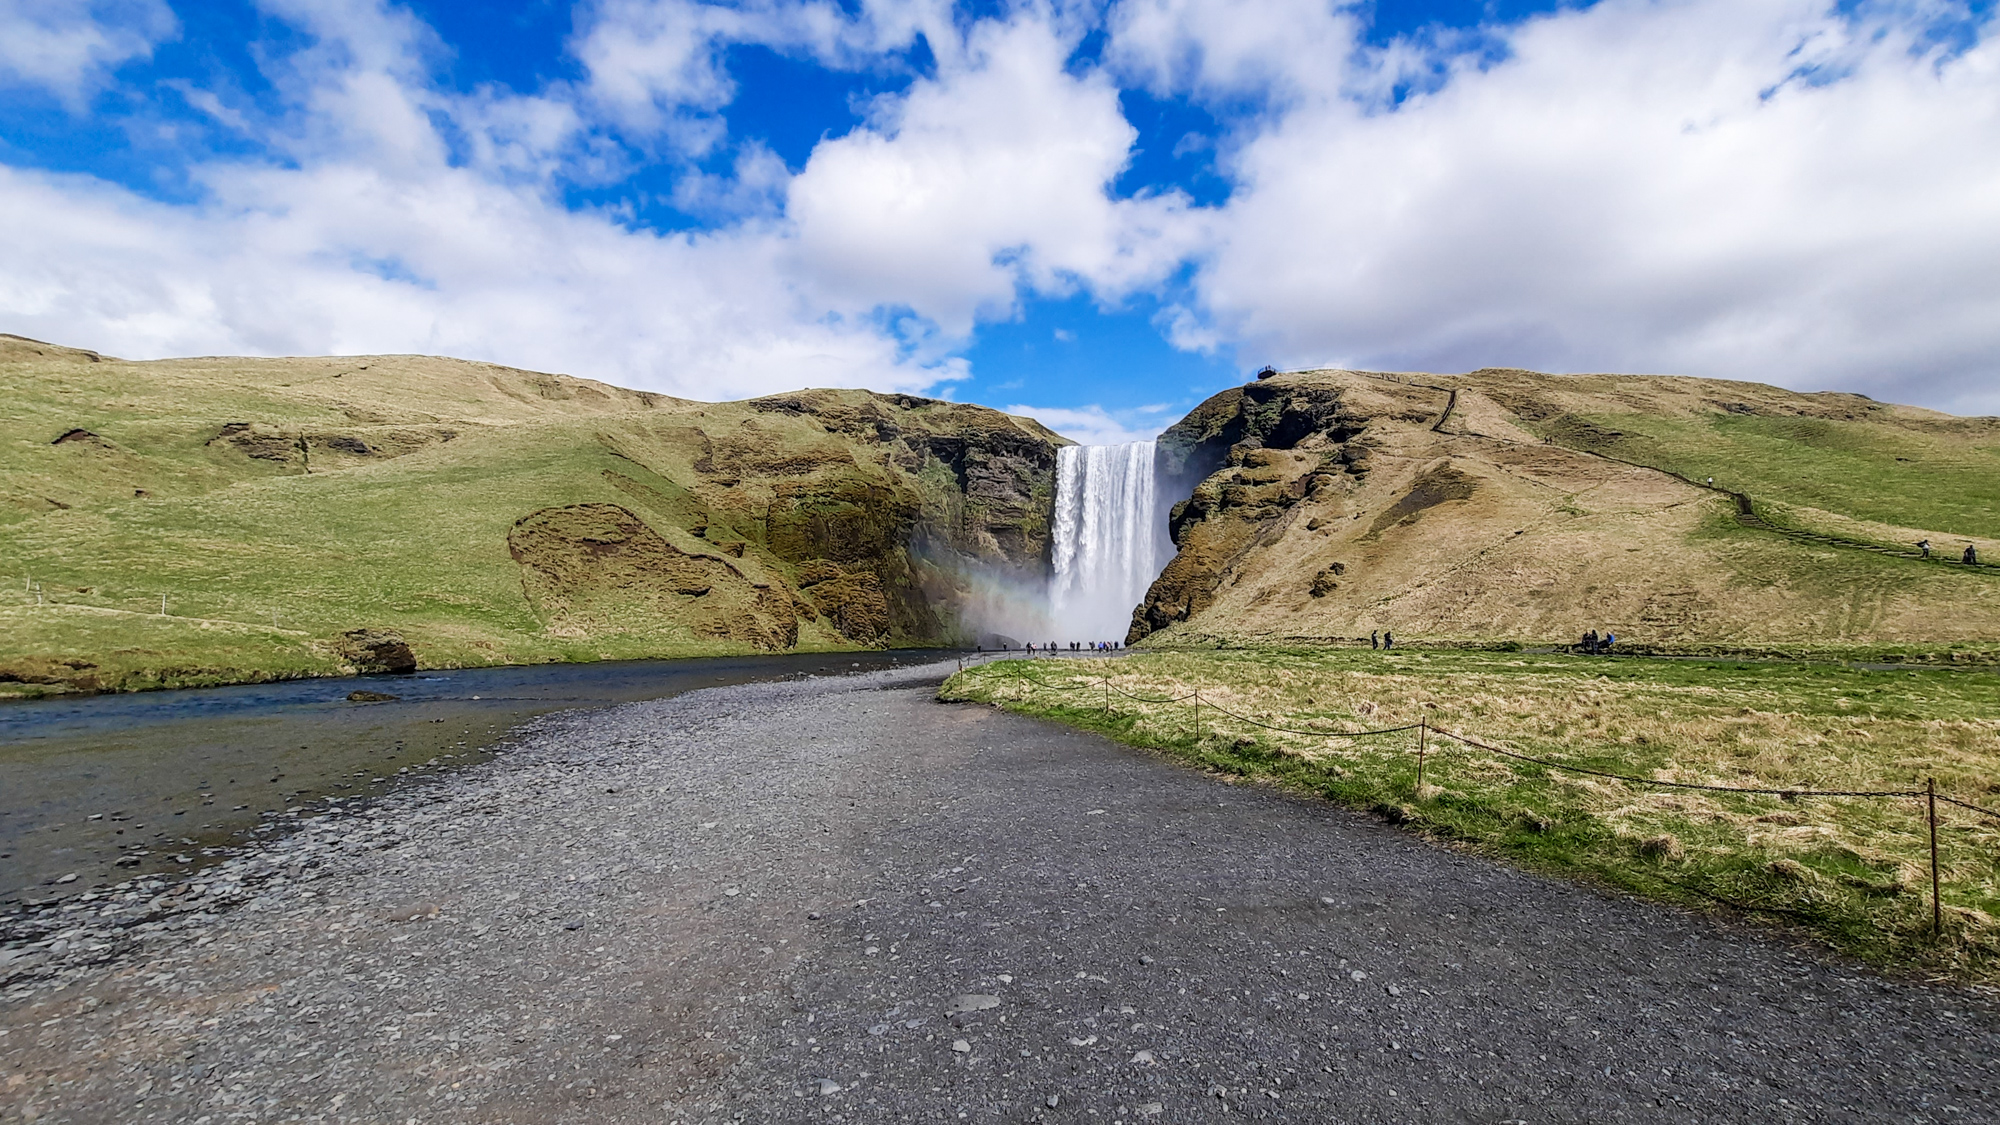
[(1928, 795)]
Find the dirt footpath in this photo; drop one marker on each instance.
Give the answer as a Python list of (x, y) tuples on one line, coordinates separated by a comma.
[(839, 900)]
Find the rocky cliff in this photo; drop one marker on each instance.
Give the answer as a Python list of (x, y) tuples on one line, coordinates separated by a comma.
[(471, 513), (1508, 505)]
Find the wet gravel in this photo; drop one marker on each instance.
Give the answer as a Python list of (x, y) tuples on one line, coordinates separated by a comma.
[(839, 900)]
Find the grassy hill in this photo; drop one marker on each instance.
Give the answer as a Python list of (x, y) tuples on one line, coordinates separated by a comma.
[(310, 516), (1511, 506)]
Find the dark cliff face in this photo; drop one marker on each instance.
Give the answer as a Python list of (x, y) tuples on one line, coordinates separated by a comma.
[(1264, 414), (932, 494), (1243, 458), (809, 518)]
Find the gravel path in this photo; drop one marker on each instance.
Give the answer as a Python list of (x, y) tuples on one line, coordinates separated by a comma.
[(839, 900)]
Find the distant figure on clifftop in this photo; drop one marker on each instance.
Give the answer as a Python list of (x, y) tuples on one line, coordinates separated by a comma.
[(1375, 639), (1388, 639), (1971, 555), (1924, 545)]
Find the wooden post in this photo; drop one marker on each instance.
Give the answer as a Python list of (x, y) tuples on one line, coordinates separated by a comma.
[(1106, 682), (1197, 718), (1423, 728), (1937, 905)]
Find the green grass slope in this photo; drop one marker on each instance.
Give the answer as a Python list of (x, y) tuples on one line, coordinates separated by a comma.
[(1512, 506), (1836, 456), (277, 505)]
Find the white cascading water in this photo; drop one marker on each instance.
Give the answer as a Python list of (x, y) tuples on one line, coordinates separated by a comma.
[(1110, 539)]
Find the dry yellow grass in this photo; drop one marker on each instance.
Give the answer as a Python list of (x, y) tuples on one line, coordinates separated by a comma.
[(1516, 516), (1854, 869)]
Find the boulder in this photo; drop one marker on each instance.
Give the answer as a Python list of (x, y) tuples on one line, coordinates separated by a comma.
[(377, 650)]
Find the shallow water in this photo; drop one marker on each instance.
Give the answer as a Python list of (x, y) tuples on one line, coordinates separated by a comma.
[(112, 786)]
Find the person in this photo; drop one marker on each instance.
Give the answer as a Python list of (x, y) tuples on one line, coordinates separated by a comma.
[(1609, 640), (1375, 639), (1590, 641), (1924, 545), (1711, 482), (1971, 555), (1388, 639)]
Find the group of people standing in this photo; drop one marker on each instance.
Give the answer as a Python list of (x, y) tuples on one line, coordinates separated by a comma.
[(1592, 643), (1076, 646)]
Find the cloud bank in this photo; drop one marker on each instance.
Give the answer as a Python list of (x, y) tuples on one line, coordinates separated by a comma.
[(1789, 191), (1765, 191)]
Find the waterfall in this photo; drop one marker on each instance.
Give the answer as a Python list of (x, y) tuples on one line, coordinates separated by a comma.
[(1110, 539)]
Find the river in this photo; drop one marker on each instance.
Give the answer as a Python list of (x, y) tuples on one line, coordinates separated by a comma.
[(105, 788)]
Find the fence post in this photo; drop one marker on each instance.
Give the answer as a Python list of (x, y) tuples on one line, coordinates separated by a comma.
[(1423, 728), (1937, 905), (1197, 718), (1105, 682)]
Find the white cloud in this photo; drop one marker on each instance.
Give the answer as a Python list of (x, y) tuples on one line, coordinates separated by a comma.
[(656, 67), (393, 214), (1229, 50), (341, 259), (1094, 425), (367, 237), (990, 177), (70, 47), (1761, 191), (654, 63)]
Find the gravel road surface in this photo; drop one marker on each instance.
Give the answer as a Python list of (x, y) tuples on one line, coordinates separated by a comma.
[(839, 900)]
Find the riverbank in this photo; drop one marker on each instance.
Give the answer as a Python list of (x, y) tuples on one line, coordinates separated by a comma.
[(76, 650), (1854, 871)]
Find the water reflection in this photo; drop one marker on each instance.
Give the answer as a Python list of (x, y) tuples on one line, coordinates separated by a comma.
[(109, 787)]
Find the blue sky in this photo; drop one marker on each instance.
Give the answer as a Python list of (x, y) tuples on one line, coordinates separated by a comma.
[(1100, 212)]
